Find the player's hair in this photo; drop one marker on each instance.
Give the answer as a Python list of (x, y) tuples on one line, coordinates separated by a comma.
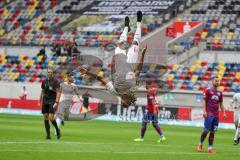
[(215, 77)]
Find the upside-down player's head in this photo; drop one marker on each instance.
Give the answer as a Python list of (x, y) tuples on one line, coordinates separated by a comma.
[(127, 100)]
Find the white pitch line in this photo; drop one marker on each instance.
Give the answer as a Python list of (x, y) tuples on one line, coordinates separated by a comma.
[(118, 152), (90, 143), (231, 147), (49, 142), (108, 152)]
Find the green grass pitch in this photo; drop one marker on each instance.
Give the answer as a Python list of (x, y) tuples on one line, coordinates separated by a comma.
[(22, 138)]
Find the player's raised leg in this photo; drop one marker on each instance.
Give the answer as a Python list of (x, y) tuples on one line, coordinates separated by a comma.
[(121, 48), (132, 55)]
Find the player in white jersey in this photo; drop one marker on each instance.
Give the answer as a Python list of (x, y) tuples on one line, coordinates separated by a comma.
[(124, 72), (236, 106), (67, 91)]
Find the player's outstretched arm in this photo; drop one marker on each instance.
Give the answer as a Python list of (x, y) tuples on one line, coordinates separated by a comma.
[(99, 78), (223, 110), (140, 63)]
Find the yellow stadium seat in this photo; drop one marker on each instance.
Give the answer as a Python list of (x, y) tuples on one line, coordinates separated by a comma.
[(20, 58), (194, 78), (170, 77), (204, 35), (11, 75), (193, 68), (222, 68), (213, 25), (198, 65), (175, 67), (110, 37), (101, 73), (51, 63), (16, 75), (238, 75), (14, 40), (229, 35), (4, 61), (27, 63), (63, 59), (199, 61), (31, 63), (2, 31), (221, 72)]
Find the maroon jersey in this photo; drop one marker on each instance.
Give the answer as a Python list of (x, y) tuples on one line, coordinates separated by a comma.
[(152, 102), (213, 99)]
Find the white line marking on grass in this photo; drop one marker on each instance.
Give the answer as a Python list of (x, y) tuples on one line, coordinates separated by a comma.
[(88, 143), (108, 152), (118, 152), (164, 144)]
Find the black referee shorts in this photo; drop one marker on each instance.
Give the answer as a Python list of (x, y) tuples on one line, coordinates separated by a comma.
[(48, 107)]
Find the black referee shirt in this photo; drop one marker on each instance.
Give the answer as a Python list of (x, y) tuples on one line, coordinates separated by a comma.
[(50, 86)]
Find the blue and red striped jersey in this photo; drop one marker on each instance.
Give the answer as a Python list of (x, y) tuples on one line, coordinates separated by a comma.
[(213, 99)]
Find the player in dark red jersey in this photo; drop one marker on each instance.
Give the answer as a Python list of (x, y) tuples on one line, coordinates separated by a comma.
[(151, 113), (212, 100)]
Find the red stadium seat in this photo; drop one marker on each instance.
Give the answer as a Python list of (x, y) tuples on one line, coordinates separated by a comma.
[(201, 88), (182, 77), (236, 80), (227, 89), (232, 74), (223, 83)]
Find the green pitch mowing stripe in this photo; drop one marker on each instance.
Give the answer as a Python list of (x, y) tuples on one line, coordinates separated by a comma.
[(22, 138)]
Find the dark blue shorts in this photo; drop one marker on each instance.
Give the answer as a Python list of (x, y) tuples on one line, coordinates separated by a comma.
[(211, 123), (150, 117)]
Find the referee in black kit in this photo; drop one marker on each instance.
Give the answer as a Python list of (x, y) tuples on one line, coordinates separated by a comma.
[(49, 98)]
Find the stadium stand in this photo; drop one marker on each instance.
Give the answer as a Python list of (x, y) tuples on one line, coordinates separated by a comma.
[(222, 24), (42, 22)]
